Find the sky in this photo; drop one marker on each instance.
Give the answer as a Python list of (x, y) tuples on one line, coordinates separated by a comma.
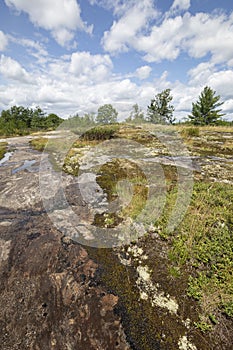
[(73, 56)]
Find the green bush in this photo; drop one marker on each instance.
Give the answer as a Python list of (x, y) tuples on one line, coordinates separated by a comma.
[(105, 132)]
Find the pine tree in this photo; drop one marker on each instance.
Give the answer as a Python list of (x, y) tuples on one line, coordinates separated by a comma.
[(160, 110), (204, 111)]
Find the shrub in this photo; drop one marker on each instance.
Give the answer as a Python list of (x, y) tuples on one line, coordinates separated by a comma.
[(104, 132)]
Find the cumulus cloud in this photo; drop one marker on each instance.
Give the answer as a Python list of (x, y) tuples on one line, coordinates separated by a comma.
[(92, 67), (143, 72), (3, 41), (124, 32), (200, 74), (198, 35), (222, 82), (61, 17), (11, 69)]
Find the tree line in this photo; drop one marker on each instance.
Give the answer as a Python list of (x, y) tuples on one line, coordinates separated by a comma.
[(19, 120), (205, 111)]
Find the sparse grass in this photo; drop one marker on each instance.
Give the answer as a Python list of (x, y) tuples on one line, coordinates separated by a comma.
[(204, 242), (190, 132), (39, 143)]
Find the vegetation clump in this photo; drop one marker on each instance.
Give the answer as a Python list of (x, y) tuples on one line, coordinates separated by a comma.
[(204, 242), (3, 149), (190, 132), (38, 143), (100, 133)]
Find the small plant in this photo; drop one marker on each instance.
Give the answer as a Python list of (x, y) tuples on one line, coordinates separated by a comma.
[(228, 308), (203, 326)]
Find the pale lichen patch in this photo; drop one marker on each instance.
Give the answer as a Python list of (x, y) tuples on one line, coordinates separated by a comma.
[(4, 249), (150, 291), (184, 344)]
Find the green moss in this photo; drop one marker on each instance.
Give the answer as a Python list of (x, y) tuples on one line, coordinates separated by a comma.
[(142, 324), (111, 178)]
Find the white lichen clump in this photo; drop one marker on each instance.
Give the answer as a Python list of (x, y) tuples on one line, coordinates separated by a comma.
[(149, 291), (184, 344)]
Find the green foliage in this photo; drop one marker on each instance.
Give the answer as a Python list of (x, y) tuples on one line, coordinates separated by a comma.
[(228, 308), (204, 111), (19, 120), (136, 115), (203, 326), (77, 123), (102, 132), (53, 121), (204, 241), (106, 114), (160, 110)]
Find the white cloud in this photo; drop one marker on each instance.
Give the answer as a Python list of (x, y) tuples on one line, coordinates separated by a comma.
[(33, 48), (143, 72), (3, 41), (93, 67), (181, 5), (210, 34), (124, 32), (222, 82), (61, 17), (118, 7), (201, 73), (163, 41), (11, 69), (198, 35)]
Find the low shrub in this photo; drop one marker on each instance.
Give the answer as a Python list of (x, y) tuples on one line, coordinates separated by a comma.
[(103, 132)]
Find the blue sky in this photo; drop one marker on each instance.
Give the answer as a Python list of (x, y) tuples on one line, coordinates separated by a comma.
[(72, 56)]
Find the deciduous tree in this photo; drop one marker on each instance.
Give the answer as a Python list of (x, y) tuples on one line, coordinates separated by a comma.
[(106, 114)]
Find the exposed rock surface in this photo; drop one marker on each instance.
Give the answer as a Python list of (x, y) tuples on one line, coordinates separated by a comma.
[(53, 295), (49, 298)]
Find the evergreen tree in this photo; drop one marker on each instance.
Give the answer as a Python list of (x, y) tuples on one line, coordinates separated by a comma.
[(160, 110), (204, 111)]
